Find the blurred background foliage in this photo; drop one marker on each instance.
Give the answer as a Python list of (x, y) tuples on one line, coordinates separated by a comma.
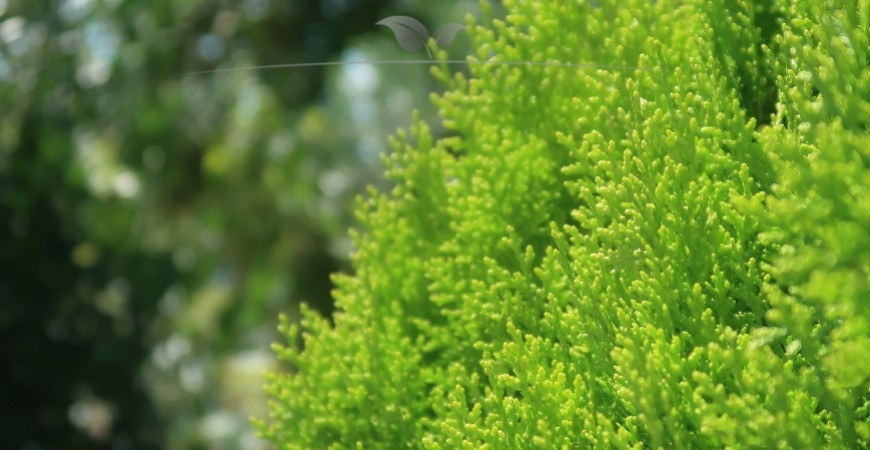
[(155, 220)]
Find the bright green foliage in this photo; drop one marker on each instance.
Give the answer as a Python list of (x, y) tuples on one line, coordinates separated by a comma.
[(614, 258)]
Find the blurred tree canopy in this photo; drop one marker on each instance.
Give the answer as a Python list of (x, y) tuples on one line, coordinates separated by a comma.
[(155, 220)]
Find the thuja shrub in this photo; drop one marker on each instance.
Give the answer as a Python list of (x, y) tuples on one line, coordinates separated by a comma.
[(672, 253)]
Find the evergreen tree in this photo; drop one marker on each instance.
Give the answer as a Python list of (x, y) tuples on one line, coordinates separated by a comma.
[(672, 252)]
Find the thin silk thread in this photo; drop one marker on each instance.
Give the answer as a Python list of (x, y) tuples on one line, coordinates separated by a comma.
[(422, 61)]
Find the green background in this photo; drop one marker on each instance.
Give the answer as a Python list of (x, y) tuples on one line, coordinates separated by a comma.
[(155, 222)]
